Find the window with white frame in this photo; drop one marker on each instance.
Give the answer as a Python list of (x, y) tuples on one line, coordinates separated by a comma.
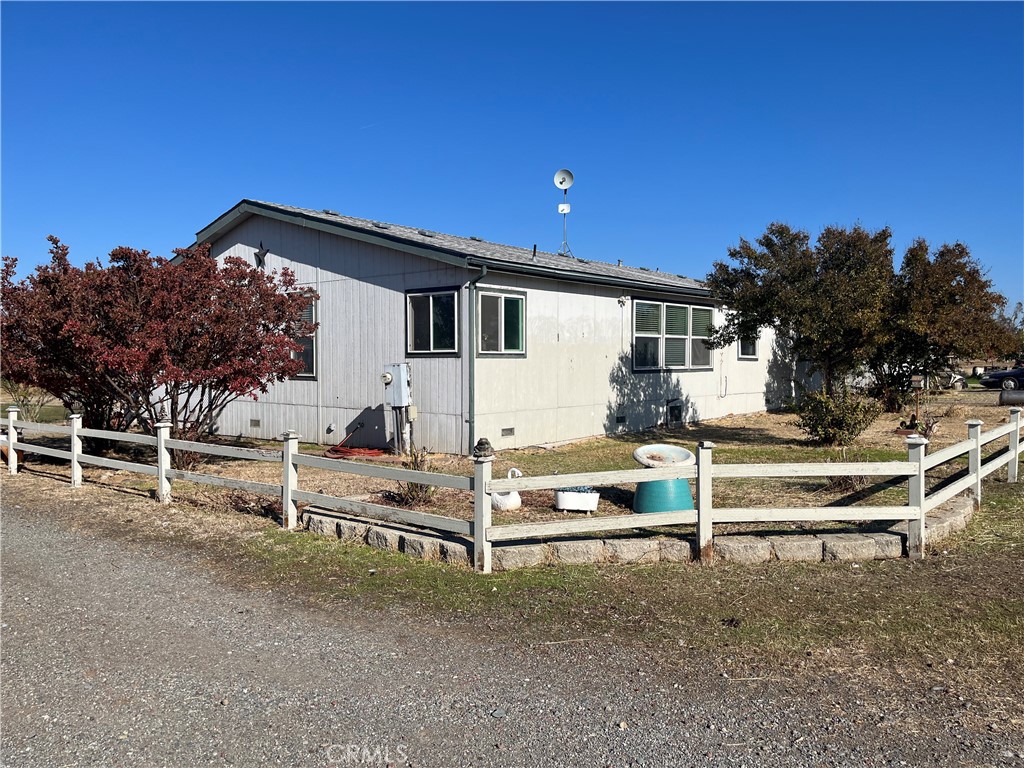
[(670, 335), (308, 352), (700, 330), (748, 348), (502, 323), (432, 322)]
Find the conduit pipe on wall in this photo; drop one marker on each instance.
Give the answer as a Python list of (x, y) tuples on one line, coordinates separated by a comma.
[(471, 351)]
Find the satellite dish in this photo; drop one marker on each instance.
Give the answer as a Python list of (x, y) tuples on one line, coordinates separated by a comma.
[(563, 179)]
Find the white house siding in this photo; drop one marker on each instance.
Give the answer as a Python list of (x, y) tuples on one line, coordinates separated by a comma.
[(361, 312), (576, 379)]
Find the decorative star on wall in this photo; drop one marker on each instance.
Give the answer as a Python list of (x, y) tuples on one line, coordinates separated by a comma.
[(261, 256)]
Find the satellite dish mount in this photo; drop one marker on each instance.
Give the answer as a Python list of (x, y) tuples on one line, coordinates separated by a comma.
[(564, 180)]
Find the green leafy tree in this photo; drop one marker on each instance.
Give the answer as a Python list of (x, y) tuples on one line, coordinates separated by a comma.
[(826, 300), (942, 309), (1013, 327)]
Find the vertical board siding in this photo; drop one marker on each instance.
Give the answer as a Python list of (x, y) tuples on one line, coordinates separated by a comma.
[(362, 329)]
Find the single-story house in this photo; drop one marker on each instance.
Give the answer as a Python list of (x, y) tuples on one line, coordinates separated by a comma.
[(512, 344)]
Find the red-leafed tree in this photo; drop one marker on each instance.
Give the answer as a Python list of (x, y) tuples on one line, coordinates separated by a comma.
[(143, 335)]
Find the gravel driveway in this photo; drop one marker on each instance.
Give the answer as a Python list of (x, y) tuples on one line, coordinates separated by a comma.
[(123, 654)]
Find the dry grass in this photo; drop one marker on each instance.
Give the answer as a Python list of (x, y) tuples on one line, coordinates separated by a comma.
[(954, 619), (756, 438)]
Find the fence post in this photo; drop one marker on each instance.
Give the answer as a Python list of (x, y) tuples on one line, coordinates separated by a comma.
[(705, 543), (916, 446), (163, 462), (76, 450), (974, 460), (483, 455), (289, 480), (12, 440), (1011, 468)]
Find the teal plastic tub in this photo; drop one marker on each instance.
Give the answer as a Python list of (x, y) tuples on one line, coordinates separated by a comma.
[(662, 496)]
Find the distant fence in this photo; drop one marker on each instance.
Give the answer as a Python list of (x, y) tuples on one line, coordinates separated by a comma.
[(914, 472)]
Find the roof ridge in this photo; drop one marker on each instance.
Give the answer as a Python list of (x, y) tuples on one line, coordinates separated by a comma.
[(499, 255)]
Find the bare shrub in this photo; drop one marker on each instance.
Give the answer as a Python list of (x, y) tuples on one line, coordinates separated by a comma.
[(413, 494), (28, 398)]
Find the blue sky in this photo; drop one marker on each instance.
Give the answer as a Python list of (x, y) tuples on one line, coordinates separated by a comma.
[(688, 126)]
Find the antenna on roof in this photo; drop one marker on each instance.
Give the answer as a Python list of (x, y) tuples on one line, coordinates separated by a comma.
[(564, 180)]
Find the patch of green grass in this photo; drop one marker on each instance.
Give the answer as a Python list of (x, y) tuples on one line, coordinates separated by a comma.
[(998, 527), (48, 414)]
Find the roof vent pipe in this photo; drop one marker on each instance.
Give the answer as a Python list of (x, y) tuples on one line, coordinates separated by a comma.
[(534, 252)]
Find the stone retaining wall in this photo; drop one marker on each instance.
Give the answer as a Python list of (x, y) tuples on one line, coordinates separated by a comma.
[(745, 549)]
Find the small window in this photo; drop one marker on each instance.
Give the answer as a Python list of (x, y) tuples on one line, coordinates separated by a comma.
[(700, 352), (432, 322), (748, 349), (308, 352), (502, 324)]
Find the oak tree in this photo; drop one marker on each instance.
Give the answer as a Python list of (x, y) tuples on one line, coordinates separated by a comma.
[(827, 300), (942, 309)]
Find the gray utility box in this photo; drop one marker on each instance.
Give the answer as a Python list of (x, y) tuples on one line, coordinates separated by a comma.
[(397, 380)]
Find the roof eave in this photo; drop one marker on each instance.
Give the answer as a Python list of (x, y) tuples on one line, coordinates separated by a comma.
[(553, 273)]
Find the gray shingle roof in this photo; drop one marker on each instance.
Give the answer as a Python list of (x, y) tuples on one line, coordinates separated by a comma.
[(477, 252)]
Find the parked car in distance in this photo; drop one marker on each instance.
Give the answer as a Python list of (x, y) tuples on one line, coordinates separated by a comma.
[(1010, 379)]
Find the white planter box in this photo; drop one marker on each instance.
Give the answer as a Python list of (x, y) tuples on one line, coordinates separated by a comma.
[(575, 501)]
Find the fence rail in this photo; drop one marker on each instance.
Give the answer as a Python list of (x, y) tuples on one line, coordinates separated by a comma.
[(122, 437), (392, 514), (821, 469), (947, 454), (912, 472), (229, 451), (107, 463), (811, 514), (56, 429)]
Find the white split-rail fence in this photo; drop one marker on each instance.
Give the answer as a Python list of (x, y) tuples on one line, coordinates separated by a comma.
[(484, 534)]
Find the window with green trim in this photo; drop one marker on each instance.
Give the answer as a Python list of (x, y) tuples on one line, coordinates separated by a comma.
[(670, 335), (502, 323)]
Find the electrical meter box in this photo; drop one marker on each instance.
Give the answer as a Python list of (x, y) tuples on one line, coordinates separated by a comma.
[(397, 379)]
